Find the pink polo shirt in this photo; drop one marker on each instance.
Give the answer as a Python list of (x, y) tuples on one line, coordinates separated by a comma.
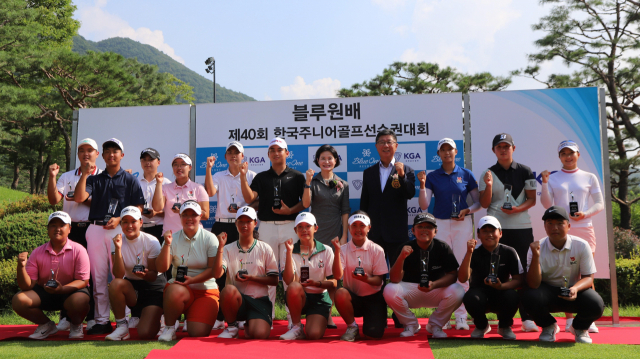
[(71, 263), (190, 191), (372, 259)]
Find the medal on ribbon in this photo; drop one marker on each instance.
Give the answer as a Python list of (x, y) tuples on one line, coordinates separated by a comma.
[(395, 183)]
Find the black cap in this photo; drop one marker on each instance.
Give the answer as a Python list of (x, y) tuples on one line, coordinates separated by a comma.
[(555, 212), (151, 152), (502, 137), (425, 217)]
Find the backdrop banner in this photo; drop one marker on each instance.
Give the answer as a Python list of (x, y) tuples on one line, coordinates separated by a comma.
[(349, 124), (539, 120)]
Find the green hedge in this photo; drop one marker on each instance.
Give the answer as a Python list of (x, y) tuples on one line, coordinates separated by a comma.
[(28, 204), (22, 232), (628, 276), (8, 281)]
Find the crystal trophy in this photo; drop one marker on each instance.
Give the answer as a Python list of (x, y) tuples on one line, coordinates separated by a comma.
[(111, 211), (181, 272), (243, 271), (455, 205), (138, 267), (424, 272), (573, 206), (304, 270), (51, 283), (177, 205), (507, 197), (359, 270), (565, 291), (71, 191), (277, 192), (233, 206), (494, 266), (146, 209)]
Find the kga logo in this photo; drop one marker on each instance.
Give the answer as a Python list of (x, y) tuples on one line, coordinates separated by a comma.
[(436, 159), (414, 210), (357, 184), (256, 160), (409, 156)]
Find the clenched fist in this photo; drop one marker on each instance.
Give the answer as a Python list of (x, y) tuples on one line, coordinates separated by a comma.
[(422, 177), (22, 259), (471, 245), (168, 237), (544, 176), (406, 251), (535, 248), (54, 169), (211, 160), (488, 179), (400, 169), (117, 241), (310, 172)]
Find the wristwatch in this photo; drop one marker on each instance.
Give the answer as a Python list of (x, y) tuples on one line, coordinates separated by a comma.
[(306, 186)]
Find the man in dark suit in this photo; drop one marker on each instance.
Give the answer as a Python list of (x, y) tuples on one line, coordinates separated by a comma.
[(386, 187)]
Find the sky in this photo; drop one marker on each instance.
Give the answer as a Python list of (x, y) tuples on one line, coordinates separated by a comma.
[(282, 50)]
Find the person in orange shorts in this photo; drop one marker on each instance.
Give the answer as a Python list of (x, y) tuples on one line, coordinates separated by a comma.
[(196, 256)]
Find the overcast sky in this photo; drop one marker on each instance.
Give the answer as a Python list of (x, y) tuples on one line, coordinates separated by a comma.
[(276, 50)]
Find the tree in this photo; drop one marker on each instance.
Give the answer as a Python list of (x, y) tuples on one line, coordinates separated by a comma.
[(402, 78), (601, 37)]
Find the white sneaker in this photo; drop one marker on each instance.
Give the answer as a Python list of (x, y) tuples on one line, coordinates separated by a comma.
[(75, 331), (184, 326), (90, 324), (530, 326), (506, 333), (567, 327), (162, 325), (290, 325), (409, 330), (242, 323), (297, 332), (218, 325), (436, 332), (549, 333), (64, 325), (478, 333), (447, 325), (229, 333), (168, 334), (44, 330), (461, 324), (582, 336), (133, 322), (593, 328), (121, 333)]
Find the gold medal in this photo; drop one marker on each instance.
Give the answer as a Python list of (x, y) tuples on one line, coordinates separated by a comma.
[(395, 183)]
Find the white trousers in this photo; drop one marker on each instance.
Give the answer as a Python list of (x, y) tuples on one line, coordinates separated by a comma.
[(275, 235), (400, 297), (99, 249), (456, 234)]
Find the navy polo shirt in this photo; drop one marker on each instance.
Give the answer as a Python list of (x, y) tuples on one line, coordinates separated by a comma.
[(460, 182), (102, 188)]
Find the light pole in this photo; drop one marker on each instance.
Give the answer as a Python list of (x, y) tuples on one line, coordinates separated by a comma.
[(211, 69)]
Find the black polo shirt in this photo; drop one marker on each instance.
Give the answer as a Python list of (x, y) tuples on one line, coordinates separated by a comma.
[(441, 261), (291, 184), (516, 175), (102, 188), (481, 264)]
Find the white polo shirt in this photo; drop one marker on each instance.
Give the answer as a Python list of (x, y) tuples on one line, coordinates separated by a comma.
[(573, 260), (258, 260), (320, 264), (146, 246), (581, 183), (79, 212), (373, 262), (229, 190), (196, 252), (149, 190)]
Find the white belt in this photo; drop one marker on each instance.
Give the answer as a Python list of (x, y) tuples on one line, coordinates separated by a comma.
[(277, 222), (226, 220), (149, 225)]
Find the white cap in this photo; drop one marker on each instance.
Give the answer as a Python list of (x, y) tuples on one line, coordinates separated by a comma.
[(132, 211), (278, 142), (90, 142), (191, 205), (490, 220), (64, 216), (446, 140), (116, 141), (237, 145), (306, 217), (568, 144), (359, 217), (247, 211), (184, 157)]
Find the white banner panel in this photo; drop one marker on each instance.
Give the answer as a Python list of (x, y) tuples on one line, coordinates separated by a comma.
[(165, 128), (350, 124), (539, 120)]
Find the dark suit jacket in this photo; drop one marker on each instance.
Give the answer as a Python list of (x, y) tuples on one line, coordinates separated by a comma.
[(387, 209)]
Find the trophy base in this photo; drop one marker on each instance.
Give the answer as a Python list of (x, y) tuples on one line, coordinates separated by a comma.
[(176, 206), (455, 215), (573, 208), (103, 222), (70, 194), (242, 273), (146, 211), (277, 203), (51, 284), (358, 271), (492, 279), (181, 272), (565, 292), (424, 284), (507, 206), (304, 274), (233, 207), (138, 268), (424, 281)]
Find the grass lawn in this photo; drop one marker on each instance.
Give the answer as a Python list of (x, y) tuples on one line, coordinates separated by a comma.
[(7, 194)]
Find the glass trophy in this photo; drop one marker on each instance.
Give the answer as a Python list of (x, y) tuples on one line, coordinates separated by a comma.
[(573, 206), (138, 267), (455, 205), (359, 270), (111, 211), (233, 206), (51, 283), (71, 191), (177, 205), (507, 197), (146, 209), (277, 193), (565, 290), (243, 271), (304, 270), (181, 272), (494, 266), (424, 272)]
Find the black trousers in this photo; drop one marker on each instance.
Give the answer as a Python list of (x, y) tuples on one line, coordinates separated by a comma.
[(544, 300), (373, 310), (232, 235), (391, 250), (481, 300), (78, 235), (520, 240)]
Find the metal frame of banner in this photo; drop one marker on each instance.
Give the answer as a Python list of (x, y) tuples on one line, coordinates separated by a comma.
[(192, 139)]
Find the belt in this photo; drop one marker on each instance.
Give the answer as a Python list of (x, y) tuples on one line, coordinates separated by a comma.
[(277, 222), (149, 225), (226, 220), (80, 224)]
